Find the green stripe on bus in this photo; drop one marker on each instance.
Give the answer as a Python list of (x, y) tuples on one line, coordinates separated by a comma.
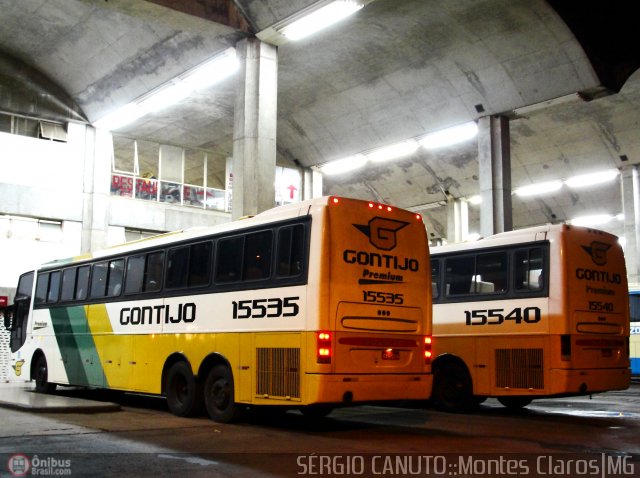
[(77, 346)]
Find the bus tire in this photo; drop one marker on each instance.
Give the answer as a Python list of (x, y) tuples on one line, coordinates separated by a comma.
[(515, 403), (219, 397), (452, 388), (41, 376), (184, 392)]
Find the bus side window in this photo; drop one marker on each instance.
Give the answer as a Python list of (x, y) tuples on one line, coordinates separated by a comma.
[(82, 282), (529, 274), (99, 279), (229, 259), (116, 273), (435, 278), (68, 284), (135, 274), (200, 264), (42, 286), (491, 273), (54, 287), (290, 255), (257, 256), (459, 272), (177, 267), (153, 271)]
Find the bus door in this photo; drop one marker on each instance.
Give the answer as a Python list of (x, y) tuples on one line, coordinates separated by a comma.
[(379, 272), (21, 308)]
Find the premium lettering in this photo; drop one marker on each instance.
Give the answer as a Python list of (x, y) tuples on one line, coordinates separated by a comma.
[(159, 314), (373, 259)]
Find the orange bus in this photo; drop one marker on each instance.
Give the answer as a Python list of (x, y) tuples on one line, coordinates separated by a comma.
[(537, 312), (310, 305)]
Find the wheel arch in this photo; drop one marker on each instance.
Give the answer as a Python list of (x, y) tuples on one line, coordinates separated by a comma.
[(171, 360), (210, 361)]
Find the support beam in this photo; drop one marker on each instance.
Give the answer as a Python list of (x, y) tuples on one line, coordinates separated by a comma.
[(494, 156), (630, 184), (254, 129)]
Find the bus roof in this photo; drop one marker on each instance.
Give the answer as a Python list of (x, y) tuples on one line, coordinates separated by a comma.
[(527, 234)]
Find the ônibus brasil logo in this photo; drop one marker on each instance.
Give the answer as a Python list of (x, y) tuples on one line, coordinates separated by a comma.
[(598, 252), (19, 465), (381, 232)]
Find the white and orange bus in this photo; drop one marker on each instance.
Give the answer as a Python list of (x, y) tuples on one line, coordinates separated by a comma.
[(531, 313), (310, 306)]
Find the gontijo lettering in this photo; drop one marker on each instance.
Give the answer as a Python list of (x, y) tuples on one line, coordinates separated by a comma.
[(159, 314)]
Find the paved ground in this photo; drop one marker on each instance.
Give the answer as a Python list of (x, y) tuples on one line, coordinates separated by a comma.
[(138, 437)]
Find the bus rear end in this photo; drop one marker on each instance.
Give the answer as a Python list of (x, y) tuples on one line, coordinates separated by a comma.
[(593, 348), (373, 337)]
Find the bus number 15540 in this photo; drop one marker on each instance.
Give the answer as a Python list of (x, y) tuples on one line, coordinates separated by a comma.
[(529, 315)]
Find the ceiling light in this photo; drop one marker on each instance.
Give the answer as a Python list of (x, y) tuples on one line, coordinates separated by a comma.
[(206, 74), (450, 136), (320, 19), (120, 117), (539, 188), (394, 151), (591, 179), (588, 221), (343, 165)]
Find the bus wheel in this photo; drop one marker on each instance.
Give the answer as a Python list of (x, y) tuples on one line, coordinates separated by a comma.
[(515, 403), (452, 389), (41, 376), (218, 395), (184, 393)]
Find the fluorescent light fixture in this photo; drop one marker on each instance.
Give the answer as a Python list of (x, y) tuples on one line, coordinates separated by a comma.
[(320, 19), (591, 179), (539, 188), (343, 165), (393, 151), (206, 74), (475, 200), (589, 221), (120, 117), (450, 136)]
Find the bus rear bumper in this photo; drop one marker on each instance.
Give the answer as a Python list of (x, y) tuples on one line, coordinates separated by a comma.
[(347, 389), (587, 381)]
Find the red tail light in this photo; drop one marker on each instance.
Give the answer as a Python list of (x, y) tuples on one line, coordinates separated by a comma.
[(427, 350), (323, 347)]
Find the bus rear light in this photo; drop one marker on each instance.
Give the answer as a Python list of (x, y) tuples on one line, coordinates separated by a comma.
[(418, 217), (335, 200), (323, 347), (427, 350)]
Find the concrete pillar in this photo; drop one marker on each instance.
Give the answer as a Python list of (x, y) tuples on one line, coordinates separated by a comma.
[(457, 220), (630, 184), (494, 156), (311, 184), (254, 129), (98, 152)]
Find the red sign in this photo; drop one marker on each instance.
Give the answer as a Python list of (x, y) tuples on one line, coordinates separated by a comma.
[(4, 300)]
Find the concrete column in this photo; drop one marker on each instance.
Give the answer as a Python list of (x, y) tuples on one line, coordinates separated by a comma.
[(630, 184), (494, 156), (457, 220), (254, 129), (311, 184), (95, 194)]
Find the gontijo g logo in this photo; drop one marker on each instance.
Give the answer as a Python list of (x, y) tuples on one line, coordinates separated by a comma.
[(598, 252), (382, 232)]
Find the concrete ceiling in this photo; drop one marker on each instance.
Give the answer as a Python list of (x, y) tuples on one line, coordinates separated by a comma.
[(397, 69)]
